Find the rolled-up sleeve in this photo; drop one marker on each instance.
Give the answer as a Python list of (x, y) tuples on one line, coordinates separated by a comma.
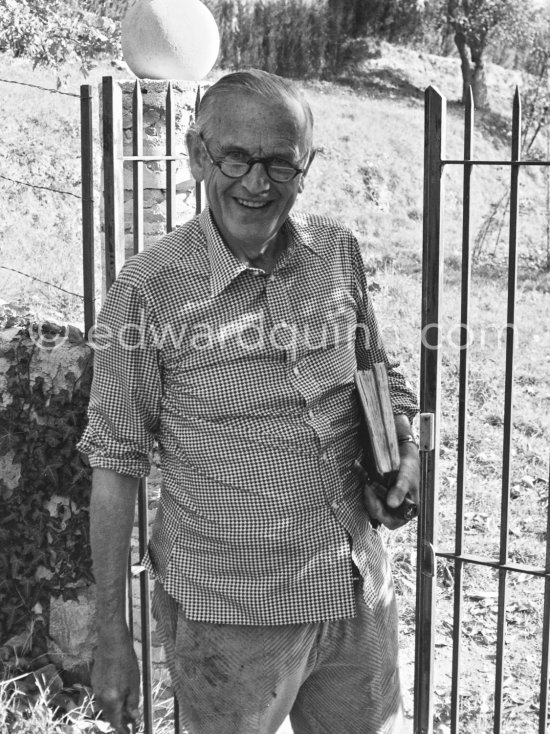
[(369, 347), (124, 407)]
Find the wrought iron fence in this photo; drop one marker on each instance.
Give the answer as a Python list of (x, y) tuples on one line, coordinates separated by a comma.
[(435, 164)]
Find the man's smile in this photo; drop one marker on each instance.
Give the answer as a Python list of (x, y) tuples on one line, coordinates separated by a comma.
[(252, 204)]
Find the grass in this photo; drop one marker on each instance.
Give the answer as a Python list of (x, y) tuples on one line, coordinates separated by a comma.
[(368, 173), (33, 708), (24, 713)]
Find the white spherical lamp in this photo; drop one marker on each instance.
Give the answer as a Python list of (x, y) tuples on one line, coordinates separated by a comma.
[(170, 39)]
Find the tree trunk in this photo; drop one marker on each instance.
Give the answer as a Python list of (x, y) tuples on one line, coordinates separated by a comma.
[(479, 87), (473, 72)]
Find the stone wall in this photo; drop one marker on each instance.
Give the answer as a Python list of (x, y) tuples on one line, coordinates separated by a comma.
[(40, 369)]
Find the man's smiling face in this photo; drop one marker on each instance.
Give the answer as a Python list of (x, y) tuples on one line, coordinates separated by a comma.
[(250, 211)]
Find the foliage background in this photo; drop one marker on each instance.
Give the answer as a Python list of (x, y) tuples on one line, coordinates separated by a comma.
[(44, 543), (296, 38)]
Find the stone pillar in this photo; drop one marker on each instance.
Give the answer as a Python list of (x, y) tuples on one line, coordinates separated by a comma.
[(154, 144), (154, 127)]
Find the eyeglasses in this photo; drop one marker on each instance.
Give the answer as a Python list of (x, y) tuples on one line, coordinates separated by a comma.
[(235, 166)]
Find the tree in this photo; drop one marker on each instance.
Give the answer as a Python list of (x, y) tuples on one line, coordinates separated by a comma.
[(391, 19), (52, 32), (473, 22)]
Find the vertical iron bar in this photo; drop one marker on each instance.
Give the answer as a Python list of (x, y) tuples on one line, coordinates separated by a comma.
[(198, 192), (137, 166), (147, 673), (87, 173), (170, 165), (129, 595), (545, 667), (462, 409), (508, 408), (113, 183), (176, 715), (430, 359)]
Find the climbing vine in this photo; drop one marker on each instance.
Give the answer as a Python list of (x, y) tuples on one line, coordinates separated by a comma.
[(44, 537)]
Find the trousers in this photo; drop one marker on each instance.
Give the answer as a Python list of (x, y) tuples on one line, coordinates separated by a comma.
[(334, 677)]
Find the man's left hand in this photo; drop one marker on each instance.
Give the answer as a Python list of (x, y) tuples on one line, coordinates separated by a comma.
[(405, 486)]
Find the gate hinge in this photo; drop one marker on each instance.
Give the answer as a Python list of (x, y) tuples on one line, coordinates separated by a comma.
[(426, 437)]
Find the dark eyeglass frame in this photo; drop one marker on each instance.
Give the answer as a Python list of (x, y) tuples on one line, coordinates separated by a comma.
[(252, 162)]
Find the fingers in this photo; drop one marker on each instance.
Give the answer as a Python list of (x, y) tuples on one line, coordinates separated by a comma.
[(374, 498), (401, 491), (113, 710), (380, 511), (115, 681), (122, 716), (396, 506), (132, 709), (408, 479)]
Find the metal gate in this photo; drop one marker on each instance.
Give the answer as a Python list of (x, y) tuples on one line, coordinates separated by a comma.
[(428, 554), (427, 621)]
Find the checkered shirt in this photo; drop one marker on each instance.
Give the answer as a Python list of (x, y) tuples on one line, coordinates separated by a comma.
[(246, 383)]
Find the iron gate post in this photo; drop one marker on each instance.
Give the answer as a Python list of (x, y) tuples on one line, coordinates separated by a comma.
[(430, 369), (87, 174), (113, 184)]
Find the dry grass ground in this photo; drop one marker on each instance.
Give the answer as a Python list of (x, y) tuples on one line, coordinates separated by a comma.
[(368, 173)]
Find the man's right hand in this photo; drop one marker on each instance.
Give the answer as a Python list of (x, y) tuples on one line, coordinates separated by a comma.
[(115, 681)]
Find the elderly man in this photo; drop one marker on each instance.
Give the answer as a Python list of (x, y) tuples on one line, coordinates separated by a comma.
[(273, 594)]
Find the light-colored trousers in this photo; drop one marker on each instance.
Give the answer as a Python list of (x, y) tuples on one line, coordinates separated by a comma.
[(336, 677)]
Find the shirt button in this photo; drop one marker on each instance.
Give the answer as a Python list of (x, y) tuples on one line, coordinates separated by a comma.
[(296, 371), (335, 504), (324, 456), (311, 414)]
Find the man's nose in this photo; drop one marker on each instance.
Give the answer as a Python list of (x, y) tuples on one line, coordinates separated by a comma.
[(256, 180)]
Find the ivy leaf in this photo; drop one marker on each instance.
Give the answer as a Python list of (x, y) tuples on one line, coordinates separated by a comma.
[(8, 437)]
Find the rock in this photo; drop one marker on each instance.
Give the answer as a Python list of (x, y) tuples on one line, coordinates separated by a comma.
[(72, 635)]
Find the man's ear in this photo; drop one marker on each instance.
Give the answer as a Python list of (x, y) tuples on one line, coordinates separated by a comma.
[(197, 154), (302, 183)]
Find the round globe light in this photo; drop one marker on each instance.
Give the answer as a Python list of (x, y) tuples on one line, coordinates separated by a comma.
[(169, 39)]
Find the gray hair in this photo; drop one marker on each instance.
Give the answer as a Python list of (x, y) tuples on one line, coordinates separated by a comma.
[(260, 83)]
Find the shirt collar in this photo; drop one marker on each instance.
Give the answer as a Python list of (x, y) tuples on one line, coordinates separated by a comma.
[(299, 236), (225, 267)]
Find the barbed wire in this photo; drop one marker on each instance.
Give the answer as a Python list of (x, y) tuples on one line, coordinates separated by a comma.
[(44, 282), (37, 186), (37, 86), (44, 188)]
